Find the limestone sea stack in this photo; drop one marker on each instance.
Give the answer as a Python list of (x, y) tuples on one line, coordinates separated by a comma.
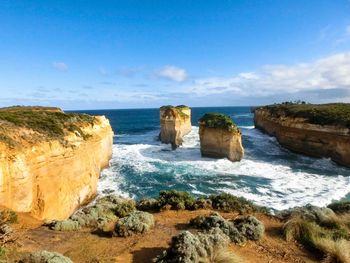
[(50, 161), (175, 123), (315, 130), (220, 137)]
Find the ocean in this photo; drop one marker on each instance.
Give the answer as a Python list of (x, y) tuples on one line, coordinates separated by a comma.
[(269, 175)]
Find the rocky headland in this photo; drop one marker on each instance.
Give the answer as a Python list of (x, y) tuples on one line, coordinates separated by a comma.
[(50, 161), (220, 137), (175, 122), (314, 130)]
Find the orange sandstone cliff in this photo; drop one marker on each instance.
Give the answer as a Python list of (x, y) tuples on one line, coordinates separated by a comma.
[(175, 122), (50, 161), (300, 135)]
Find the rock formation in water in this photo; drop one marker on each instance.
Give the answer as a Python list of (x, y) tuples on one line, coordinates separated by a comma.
[(220, 137), (314, 130), (175, 123), (50, 161)]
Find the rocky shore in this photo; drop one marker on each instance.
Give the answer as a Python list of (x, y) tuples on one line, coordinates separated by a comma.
[(314, 130)]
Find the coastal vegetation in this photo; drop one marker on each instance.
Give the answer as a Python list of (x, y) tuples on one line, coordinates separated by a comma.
[(178, 109), (218, 120), (180, 200), (320, 229), (323, 114), (49, 123)]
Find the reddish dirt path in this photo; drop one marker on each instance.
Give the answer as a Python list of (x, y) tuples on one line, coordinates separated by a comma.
[(83, 246)]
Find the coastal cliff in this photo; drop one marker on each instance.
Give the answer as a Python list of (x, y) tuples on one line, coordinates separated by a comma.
[(50, 161), (220, 137), (175, 122), (314, 130)]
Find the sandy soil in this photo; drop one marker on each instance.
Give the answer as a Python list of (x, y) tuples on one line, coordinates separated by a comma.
[(84, 246)]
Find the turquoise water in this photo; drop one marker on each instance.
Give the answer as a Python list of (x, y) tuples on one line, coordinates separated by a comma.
[(269, 174)]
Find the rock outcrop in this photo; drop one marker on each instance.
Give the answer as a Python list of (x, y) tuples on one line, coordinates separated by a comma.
[(175, 123), (302, 135), (50, 161), (220, 137)]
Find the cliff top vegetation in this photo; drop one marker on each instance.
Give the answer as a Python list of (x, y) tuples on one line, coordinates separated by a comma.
[(45, 122), (218, 120), (178, 109), (322, 114)]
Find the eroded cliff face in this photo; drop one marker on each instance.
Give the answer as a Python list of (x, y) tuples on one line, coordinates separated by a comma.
[(221, 143), (297, 135), (50, 178), (175, 123)]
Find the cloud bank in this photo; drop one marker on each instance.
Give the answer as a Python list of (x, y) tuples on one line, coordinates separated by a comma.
[(332, 72)]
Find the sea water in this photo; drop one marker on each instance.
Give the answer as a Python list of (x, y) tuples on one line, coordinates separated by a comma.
[(269, 174)]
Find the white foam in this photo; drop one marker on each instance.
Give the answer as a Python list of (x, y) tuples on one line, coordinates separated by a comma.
[(269, 179)]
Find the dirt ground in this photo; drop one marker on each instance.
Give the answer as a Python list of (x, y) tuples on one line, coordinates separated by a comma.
[(84, 246)]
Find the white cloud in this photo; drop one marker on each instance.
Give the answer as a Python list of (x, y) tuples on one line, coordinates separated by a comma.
[(347, 30), (332, 72), (172, 73), (60, 66)]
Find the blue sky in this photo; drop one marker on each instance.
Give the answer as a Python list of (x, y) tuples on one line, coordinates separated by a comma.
[(126, 54)]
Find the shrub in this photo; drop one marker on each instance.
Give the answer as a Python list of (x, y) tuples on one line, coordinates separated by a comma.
[(340, 207), (250, 227), (218, 120), (229, 203), (239, 230), (137, 222), (335, 251), (45, 257), (8, 216), (202, 203), (176, 200), (193, 248), (104, 211), (66, 225), (329, 239), (2, 252), (148, 204)]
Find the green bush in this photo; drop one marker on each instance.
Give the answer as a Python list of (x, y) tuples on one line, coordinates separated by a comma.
[(238, 230), (105, 210), (2, 252), (319, 229), (323, 114), (176, 200), (45, 257), (194, 248), (148, 204), (218, 120), (137, 222), (340, 207), (229, 203)]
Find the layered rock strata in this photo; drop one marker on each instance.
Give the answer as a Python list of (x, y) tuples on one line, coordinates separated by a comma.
[(175, 123), (50, 161), (300, 135), (220, 137)]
